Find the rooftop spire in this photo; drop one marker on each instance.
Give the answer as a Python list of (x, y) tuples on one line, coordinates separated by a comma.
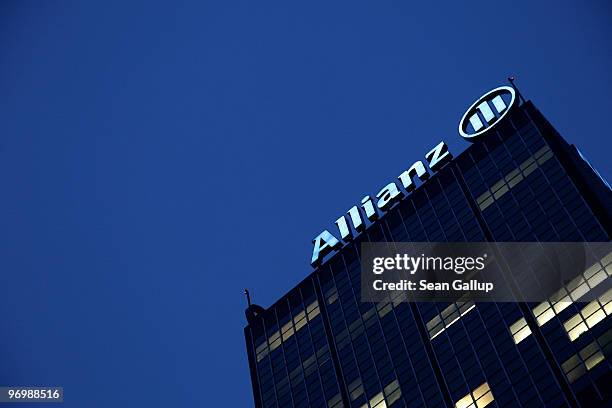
[(511, 80), (248, 296)]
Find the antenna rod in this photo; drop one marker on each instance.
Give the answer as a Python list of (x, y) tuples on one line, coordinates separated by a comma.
[(248, 296), (511, 80)]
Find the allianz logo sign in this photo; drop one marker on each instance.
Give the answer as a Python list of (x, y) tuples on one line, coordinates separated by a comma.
[(485, 113), (498, 100)]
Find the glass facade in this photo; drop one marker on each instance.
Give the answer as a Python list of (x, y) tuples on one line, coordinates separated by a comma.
[(320, 346)]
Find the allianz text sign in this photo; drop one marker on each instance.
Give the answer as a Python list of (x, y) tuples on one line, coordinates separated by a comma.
[(485, 113)]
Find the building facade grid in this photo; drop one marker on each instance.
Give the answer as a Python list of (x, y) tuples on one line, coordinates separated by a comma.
[(320, 346)]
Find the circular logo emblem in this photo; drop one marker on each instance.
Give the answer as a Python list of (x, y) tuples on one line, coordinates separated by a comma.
[(486, 112)]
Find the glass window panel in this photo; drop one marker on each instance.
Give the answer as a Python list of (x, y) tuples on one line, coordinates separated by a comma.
[(479, 398)]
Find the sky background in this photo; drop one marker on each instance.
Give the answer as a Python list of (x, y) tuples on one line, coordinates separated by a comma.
[(157, 158)]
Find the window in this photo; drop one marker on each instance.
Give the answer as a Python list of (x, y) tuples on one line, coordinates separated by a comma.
[(378, 401), (513, 178), (313, 310), (335, 402), (331, 295), (554, 305), (383, 309), (479, 398), (355, 389), (448, 317), (572, 292), (392, 392), (589, 316), (288, 330), (261, 351), (388, 396), (394, 300), (591, 355), (520, 330)]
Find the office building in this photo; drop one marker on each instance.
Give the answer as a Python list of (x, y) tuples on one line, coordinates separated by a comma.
[(320, 346)]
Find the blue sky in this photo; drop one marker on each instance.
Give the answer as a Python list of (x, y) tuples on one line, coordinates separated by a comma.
[(156, 158)]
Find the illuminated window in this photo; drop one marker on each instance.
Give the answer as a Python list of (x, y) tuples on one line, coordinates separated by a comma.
[(288, 330), (275, 341), (300, 320), (591, 355), (520, 330), (554, 305), (448, 317), (589, 316), (392, 392), (313, 310), (388, 396), (261, 351), (378, 401), (479, 398), (572, 292), (513, 178)]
